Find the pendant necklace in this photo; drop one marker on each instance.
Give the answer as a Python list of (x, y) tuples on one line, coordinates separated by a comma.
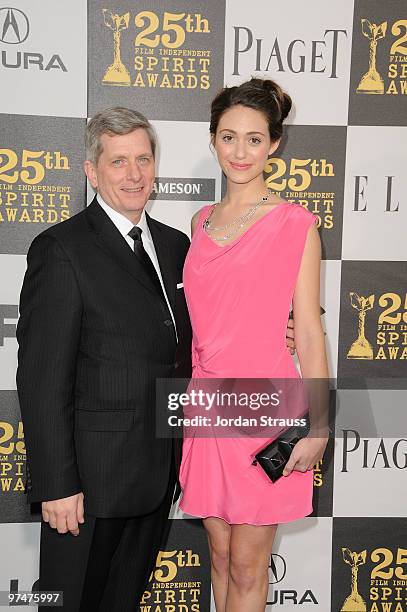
[(236, 224)]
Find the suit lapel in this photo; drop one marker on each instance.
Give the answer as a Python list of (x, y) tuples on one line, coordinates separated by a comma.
[(165, 259), (109, 239)]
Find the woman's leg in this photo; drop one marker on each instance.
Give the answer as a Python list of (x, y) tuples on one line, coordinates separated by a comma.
[(250, 550), (218, 532)]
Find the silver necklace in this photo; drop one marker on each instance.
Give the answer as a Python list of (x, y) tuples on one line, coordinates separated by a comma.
[(239, 221)]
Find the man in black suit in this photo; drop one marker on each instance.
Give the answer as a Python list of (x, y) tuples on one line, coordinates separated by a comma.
[(102, 312)]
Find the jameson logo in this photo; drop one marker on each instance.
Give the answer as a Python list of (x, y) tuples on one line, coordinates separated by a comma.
[(165, 53), (14, 30), (393, 80), (12, 457), (185, 189), (26, 193), (389, 339)]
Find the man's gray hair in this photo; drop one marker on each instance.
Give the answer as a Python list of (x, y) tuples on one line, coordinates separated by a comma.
[(116, 120)]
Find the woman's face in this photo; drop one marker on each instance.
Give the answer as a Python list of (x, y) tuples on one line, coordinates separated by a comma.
[(242, 143)]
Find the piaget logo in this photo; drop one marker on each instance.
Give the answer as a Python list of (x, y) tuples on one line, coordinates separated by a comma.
[(27, 194), (12, 457), (395, 82), (161, 53), (293, 181), (391, 327), (319, 56)]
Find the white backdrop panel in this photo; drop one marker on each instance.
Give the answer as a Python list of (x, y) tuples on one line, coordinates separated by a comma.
[(12, 270), (184, 152), (50, 73), (305, 48), (20, 555), (370, 464), (376, 185)]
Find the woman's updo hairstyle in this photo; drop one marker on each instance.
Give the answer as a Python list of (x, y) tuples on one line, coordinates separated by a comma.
[(262, 95)]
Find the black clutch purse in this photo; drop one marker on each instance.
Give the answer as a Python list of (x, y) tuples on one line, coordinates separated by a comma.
[(273, 457)]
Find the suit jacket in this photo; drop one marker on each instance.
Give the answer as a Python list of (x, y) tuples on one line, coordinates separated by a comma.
[(94, 334)]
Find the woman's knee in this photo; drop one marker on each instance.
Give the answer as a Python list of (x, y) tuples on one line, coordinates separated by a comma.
[(219, 543), (246, 575), (220, 556)]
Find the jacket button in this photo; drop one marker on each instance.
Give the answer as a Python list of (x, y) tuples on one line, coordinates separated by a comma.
[(168, 322)]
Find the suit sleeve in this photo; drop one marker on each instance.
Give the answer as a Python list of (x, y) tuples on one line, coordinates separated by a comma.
[(183, 355), (48, 334)]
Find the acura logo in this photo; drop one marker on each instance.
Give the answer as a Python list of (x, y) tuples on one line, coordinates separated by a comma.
[(277, 568), (14, 26)]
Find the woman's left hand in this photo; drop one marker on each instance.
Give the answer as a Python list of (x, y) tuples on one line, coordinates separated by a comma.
[(306, 453)]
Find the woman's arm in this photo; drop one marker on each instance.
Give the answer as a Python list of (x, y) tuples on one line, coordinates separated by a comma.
[(310, 344), (308, 332), (194, 221)]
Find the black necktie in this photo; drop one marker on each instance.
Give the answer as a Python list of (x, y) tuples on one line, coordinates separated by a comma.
[(143, 257)]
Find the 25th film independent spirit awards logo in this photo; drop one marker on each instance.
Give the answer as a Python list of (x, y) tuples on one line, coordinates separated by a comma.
[(15, 30), (41, 178), (309, 170), (13, 502), (369, 565), (165, 59), (373, 323), (180, 580), (379, 63)]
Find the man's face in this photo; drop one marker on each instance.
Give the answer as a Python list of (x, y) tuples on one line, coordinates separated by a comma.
[(125, 171)]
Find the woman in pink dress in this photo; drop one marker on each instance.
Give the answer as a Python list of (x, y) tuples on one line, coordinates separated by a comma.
[(252, 257)]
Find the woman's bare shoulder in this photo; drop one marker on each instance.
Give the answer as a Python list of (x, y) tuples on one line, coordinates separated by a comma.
[(197, 216)]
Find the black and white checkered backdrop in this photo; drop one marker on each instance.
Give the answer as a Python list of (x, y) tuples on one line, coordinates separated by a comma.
[(344, 157)]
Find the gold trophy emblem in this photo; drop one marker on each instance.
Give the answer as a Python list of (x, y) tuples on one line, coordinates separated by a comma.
[(117, 73), (354, 602), (361, 347), (371, 82)]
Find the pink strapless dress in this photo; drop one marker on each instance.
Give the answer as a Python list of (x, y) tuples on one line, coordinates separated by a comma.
[(239, 297)]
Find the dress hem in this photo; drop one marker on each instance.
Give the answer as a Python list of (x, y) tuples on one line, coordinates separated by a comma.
[(279, 522)]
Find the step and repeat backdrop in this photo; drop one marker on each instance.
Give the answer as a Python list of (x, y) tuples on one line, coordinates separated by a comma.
[(344, 158)]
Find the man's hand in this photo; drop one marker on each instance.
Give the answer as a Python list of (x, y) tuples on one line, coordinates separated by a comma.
[(306, 453), (290, 336), (64, 514)]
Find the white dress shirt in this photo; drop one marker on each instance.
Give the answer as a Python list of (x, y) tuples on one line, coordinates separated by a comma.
[(124, 225)]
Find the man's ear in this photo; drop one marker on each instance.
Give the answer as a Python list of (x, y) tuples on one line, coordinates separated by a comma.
[(91, 173), (274, 146)]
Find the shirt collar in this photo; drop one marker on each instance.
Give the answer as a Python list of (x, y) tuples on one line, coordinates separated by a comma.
[(123, 224)]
